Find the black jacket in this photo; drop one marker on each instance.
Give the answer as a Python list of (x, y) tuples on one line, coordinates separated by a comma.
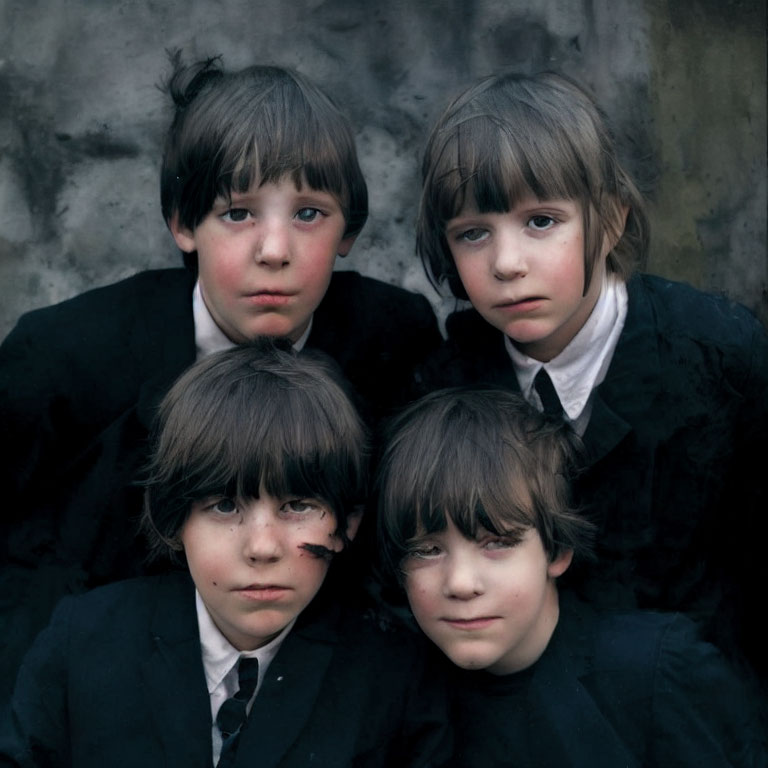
[(79, 384), (611, 689), (675, 457), (117, 680)]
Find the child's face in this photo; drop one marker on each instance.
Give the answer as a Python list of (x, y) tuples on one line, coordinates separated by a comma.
[(265, 257), (249, 562), (524, 271), (487, 603)]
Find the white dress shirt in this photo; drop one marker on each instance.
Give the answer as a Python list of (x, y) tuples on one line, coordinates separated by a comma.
[(583, 364), (220, 659)]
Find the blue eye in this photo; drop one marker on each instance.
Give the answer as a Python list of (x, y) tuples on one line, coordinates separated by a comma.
[(473, 235), (307, 215)]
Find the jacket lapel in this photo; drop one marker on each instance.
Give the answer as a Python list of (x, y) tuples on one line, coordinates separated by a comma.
[(289, 693), (578, 733), (633, 380), (173, 678)]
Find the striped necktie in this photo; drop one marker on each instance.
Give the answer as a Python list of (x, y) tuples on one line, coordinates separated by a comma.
[(232, 714)]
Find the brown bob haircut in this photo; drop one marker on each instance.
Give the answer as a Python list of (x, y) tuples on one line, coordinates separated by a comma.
[(256, 417), (482, 458), (232, 129), (513, 136)]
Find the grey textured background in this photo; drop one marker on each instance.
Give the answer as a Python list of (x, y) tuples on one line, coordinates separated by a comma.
[(82, 121)]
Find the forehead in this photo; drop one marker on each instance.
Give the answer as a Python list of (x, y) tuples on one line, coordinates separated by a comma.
[(289, 185), (451, 531), (528, 205), (492, 164)]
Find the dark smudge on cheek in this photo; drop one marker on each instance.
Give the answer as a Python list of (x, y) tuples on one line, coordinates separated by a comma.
[(318, 550)]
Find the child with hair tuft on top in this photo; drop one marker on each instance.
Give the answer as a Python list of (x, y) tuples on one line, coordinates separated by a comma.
[(527, 212), (244, 657), (262, 190), (476, 523)]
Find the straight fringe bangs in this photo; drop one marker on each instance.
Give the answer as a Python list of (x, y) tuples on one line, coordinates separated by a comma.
[(257, 125), (239, 430), (481, 458), (511, 137)]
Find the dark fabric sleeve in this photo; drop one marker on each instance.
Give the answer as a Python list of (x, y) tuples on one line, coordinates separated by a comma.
[(28, 407), (743, 524), (426, 737), (34, 728), (702, 713)]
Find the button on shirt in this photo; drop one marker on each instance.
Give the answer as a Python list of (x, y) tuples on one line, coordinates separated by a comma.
[(582, 366), (209, 338), (220, 660)]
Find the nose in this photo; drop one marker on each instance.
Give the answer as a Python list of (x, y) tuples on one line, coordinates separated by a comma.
[(509, 258), (274, 248), (462, 580), (261, 540)]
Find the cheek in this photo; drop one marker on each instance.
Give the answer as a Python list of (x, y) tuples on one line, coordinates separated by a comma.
[(421, 593), (471, 278), (220, 274), (207, 553), (317, 268)]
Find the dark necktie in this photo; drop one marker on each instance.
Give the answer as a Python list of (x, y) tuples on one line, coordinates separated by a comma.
[(547, 394), (232, 714)]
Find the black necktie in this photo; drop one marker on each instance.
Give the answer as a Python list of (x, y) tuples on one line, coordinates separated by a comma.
[(232, 714), (547, 394)]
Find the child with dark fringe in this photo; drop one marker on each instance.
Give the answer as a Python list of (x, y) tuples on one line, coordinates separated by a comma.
[(247, 655), (476, 525)]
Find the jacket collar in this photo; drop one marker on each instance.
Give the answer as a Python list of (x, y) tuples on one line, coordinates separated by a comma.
[(291, 687), (173, 679), (621, 401), (633, 378)]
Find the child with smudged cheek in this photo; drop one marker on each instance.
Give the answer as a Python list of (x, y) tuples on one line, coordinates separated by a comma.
[(256, 482)]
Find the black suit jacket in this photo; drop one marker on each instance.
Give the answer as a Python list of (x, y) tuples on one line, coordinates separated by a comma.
[(674, 450), (611, 689), (79, 384), (117, 680)]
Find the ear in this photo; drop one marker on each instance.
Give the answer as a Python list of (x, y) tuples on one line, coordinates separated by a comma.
[(560, 564), (619, 223), (185, 238), (345, 246), (353, 522)]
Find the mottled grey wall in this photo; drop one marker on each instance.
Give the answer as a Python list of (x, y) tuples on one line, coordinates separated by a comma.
[(81, 119)]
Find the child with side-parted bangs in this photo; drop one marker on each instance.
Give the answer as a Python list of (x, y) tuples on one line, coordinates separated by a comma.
[(528, 212), (475, 523), (244, 657), (261, 189)]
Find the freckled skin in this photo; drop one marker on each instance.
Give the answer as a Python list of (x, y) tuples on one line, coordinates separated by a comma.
[(249, 560)]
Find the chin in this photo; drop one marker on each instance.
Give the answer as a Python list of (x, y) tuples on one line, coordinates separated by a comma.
[(469, 662)]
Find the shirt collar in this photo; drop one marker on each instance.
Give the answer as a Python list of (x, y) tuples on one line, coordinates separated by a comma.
[(584, 362), (209, 338), (220, 656)]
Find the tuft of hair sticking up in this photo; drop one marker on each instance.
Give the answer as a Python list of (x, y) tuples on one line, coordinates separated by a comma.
[(234, 129)]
